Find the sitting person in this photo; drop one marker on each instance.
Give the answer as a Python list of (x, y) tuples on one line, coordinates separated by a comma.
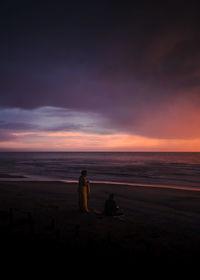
[(111, 208)]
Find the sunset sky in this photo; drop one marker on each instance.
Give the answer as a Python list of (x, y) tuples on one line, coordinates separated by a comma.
[(100, 76)]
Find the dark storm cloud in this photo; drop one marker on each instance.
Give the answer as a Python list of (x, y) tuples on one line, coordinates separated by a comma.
[(127, 62)]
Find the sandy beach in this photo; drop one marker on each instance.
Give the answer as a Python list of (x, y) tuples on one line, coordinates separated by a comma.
[(157, 223)]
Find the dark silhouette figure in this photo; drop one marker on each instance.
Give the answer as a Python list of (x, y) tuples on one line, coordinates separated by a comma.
[(111, 208)]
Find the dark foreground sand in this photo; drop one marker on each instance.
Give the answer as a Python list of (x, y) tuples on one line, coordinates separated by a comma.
[(43, 217)]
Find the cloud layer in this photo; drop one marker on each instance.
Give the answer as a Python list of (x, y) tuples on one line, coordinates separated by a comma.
[(101, 69)]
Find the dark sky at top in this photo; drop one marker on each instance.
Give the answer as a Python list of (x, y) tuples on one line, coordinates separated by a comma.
[(136, 64)]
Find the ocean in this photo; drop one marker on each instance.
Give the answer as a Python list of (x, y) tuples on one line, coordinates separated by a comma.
[(159, 169)]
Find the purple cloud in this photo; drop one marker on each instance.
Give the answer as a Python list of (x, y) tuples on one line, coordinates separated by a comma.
[(102, 70)]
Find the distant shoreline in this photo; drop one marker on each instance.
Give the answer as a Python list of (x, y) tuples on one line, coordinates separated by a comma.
[(139, 185), (18, 178)]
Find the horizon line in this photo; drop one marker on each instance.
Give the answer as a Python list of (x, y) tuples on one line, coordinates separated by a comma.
[(99, 151)]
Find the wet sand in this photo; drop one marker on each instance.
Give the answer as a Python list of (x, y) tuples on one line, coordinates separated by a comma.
[(44, 217)]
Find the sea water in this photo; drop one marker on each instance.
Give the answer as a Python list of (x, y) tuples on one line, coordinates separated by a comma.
[(140, 168)]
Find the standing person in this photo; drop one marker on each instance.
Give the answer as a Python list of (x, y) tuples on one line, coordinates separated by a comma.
[(83, 191)]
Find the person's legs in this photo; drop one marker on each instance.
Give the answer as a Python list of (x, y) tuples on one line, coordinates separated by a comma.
[(81, 199), (85, 199)]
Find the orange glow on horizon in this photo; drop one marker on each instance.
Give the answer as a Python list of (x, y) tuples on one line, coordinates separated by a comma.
[(78, 141)]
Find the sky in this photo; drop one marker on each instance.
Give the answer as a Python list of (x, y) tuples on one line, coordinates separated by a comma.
[(100, 76)]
